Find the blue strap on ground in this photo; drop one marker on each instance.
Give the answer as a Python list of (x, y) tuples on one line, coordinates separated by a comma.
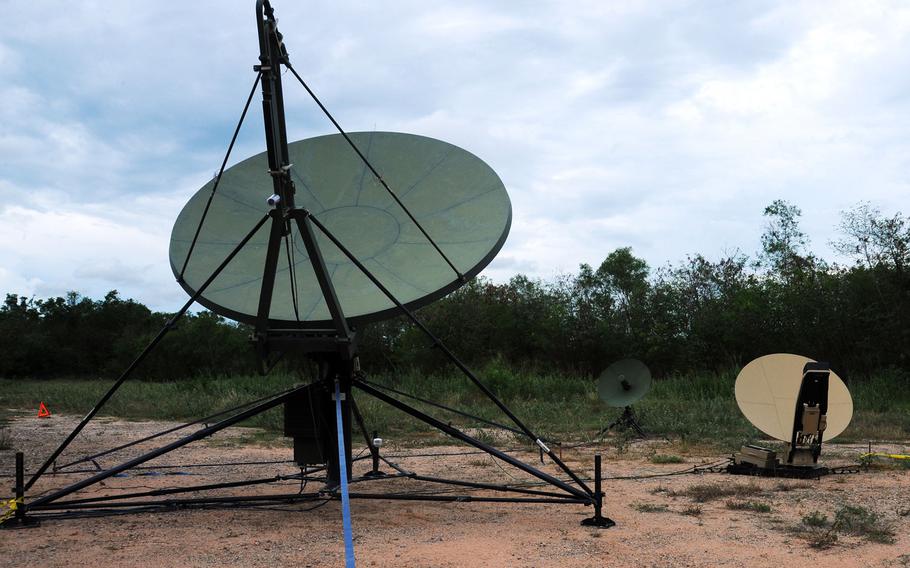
[(343, 474)]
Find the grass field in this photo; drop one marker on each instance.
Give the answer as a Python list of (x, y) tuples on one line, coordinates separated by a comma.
[(696, 409)]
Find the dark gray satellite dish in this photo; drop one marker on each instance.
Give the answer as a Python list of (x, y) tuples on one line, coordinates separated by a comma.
[(622, 384)]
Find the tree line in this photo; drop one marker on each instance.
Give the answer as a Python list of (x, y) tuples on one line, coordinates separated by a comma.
[(693, 316)]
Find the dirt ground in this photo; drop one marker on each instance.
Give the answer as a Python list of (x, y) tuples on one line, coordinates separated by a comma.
[(657, 524)]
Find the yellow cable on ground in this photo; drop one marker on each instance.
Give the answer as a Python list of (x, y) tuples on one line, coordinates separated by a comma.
[(882, 455), (12, 505)]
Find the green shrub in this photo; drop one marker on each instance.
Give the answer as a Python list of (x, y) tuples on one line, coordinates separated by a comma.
[(862, 522), (659, 458), (755, 506), (650, 507)]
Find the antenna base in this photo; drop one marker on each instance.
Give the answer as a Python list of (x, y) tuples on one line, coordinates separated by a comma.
[(741, 466), (626, 421), (597, 499), (598, 521), (16, 523)]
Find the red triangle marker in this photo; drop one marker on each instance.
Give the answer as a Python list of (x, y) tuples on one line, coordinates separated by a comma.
[(43, 412)]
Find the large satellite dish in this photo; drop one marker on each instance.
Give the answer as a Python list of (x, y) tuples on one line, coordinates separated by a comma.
[(302, 241), (624, 383), (457, 198), (767, 389)]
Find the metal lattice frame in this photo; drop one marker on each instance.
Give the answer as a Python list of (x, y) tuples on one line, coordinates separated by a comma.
[(335, 348)]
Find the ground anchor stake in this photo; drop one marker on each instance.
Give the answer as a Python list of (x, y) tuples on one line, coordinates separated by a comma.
[(16, 517), (598, 520)]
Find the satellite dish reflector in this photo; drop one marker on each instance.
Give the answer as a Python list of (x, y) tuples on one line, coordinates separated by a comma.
[(767, 389), (624, 382), (457, 198)]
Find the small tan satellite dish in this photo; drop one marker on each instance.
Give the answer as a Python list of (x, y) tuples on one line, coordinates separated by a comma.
[(767, 389)]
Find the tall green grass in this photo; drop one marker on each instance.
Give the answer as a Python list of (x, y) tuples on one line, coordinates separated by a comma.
[(139, 400), (696, 409)]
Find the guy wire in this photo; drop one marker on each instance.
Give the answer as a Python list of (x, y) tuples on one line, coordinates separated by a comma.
[(227, 156), (373, 170), (292, 276)]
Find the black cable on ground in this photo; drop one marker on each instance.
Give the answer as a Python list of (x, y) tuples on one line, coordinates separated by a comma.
[(164, 508), (172, 466)]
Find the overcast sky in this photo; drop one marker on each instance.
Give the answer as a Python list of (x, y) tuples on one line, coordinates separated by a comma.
[(664, 126)]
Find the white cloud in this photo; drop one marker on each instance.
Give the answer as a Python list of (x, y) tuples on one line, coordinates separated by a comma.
[(88, 248), (666, 126)]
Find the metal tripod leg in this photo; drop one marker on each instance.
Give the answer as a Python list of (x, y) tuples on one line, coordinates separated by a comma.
[(627, 420), (198, 435)]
